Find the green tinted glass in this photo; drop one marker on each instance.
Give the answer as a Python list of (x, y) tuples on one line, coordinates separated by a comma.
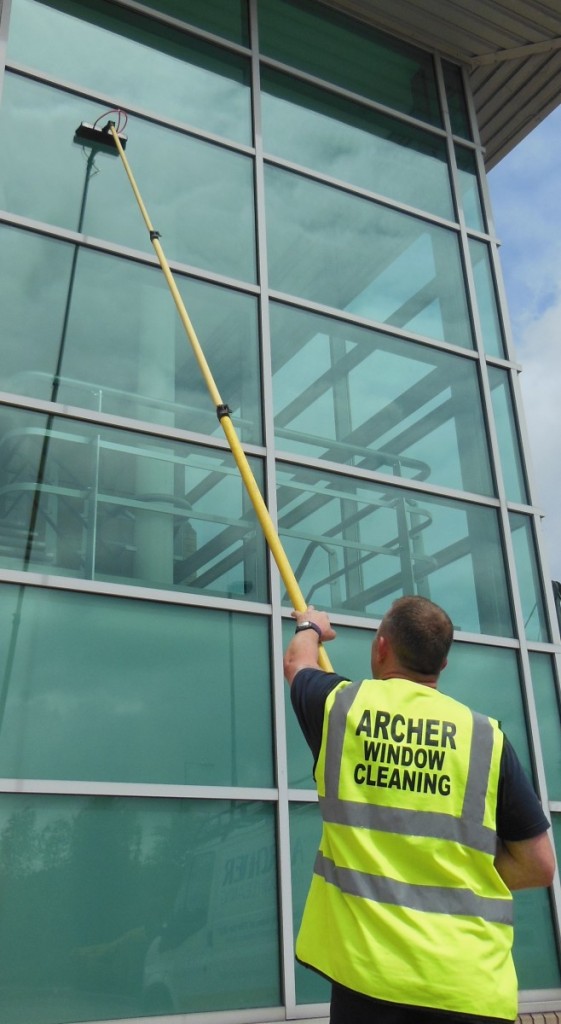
[(535, 622), (493, 341), (305, 835), (535, 957), (349, 654), (353, 395), (222, 17), (328, 133), (469, 188), (354, 546), (549, 717), (199, 196), (94, 503), (456, 99), (487, 679), (509, 444), (140, 62), (117, 907), (106, 336), (117, 690), (301, 33), (353, 254)]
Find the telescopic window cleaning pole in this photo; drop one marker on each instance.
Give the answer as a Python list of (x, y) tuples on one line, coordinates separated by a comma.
[(222, 410)]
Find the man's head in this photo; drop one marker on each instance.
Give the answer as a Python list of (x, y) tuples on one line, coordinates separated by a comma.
[(413, 640)]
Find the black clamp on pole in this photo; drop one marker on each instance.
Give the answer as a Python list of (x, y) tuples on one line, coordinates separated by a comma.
[(154, 234), (223, 410)]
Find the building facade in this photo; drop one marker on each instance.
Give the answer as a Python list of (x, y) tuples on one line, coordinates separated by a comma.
[(319, 187)]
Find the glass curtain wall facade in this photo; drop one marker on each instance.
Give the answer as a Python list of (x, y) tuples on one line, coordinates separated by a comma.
[(320, 194)]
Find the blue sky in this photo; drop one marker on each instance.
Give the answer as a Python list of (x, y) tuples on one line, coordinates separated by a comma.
[(526, 202)]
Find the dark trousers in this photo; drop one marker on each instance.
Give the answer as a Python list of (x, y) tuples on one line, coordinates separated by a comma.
[(349, 1007)]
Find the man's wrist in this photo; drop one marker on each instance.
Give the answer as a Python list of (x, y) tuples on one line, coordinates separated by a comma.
[(307, 624)]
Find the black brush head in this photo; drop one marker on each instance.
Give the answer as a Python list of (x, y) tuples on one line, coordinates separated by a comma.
[(89, 134)]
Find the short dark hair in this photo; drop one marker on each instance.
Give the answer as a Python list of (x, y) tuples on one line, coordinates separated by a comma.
[(420, 633)]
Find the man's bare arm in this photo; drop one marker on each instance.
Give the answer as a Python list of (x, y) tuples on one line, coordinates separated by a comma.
[(527, 864), (302, 651)]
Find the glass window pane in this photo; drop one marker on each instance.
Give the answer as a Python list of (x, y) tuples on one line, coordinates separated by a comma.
[(469, 188), (94, 503), (198, 195), (118, 690), (349, 654), (353, 254), (355, 546), (106, 48), (455, 95), (487, 679), (509, 444), (368, 62), (117, 907), (534, 951), (548, 707), (493, 341), (356, 396), (531, 596), (106, 336), (222, 17), (332, 135), (305, 835)]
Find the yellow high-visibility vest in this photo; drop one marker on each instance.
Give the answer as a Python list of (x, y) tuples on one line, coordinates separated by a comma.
[(405, 903)]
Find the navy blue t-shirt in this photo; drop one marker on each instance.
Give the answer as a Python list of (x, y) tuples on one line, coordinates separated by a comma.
[(519, 812)]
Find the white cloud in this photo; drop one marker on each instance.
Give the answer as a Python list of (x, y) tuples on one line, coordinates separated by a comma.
[(541, 361), (527, 212)]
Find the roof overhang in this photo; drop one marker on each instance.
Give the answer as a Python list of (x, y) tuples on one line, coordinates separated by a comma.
[(511, 50)]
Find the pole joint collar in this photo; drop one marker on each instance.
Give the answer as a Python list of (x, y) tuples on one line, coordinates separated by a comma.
[(223, 410)]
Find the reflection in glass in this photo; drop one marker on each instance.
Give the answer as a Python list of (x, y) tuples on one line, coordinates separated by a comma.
[(139, 907), (368, 62), (95, 503), (533, 610), (509, 444), (491, 329), (103, 688), (106, 336), (355, 546), (199, 195), (353, 254), (356, 396), (548, 707), (305, 835), (222, 17), (332, 135), (469, 188), (456, 99), (99, 45)]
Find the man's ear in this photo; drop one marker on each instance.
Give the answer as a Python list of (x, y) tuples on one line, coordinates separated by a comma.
[(444, 664), (381, 648)]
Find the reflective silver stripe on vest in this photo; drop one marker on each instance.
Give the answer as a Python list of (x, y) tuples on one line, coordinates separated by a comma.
[(429, 898), (468, 829)]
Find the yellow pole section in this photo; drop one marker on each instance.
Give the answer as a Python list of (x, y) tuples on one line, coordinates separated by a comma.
[(262, 512)]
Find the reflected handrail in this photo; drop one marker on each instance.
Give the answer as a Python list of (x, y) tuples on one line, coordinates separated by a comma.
[(382, 455)]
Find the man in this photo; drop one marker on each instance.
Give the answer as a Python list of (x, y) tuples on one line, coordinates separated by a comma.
[(428, 824)]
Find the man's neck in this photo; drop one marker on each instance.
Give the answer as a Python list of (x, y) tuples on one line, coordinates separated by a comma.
[(414, 677)]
